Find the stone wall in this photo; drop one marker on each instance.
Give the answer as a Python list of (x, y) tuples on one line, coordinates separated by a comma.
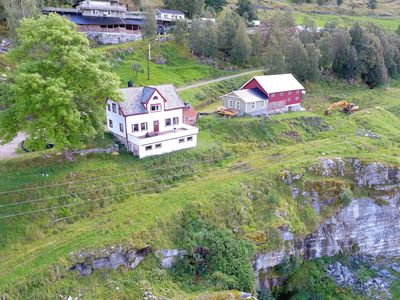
[(113, 38)]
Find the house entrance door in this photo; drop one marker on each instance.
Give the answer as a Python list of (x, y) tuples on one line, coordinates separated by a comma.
[(156, 126)]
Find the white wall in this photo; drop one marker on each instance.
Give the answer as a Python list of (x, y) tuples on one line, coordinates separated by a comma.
[(168, 146), (116, 119)]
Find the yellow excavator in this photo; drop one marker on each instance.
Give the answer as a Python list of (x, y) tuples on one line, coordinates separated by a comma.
[(347, 107)]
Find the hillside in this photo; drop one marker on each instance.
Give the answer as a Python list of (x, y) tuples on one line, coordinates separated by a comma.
[(249, 154)]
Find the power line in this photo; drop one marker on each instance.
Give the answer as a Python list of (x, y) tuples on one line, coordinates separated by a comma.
[(106, 177), (108, 197), (111, 186)]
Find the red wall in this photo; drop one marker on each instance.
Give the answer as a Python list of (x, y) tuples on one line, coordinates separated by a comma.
[(277, 98)]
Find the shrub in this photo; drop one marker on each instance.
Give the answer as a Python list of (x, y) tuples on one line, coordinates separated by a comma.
[(346, 196)]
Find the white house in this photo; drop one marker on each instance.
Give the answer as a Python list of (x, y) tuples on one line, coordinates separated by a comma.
[(149, 121), (169, 14)]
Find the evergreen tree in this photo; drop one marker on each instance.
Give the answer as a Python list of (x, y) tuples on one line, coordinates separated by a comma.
[(341, 53), (325, 49), (59, 86), (372, 4), (210, 38), (241, 45), (275, 60), (226, 33), (256, 43), (313, 56), (247, 10), (296, 59), (218, 5)]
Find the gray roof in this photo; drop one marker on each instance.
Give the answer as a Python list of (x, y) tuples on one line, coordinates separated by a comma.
[(251, 95), (135, 97), (170, 11)]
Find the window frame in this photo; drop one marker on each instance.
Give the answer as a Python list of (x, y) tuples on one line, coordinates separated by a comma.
[(148, 148), (189, 139), (253, 105), (237, 105), (168, 120), (114, 108), (146, 127), (230, 103), (133, 127), (157, 106), (121, 127), (175, 121), (158, 146), (110, 123), (181, 141), (109, 107)]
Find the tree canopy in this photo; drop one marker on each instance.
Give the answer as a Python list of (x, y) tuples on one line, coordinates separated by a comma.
[(59, 86)]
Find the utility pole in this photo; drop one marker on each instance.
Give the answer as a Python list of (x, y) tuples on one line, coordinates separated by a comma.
[(148, 62)]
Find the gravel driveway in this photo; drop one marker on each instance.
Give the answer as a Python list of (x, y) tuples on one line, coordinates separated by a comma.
[(9, 150)]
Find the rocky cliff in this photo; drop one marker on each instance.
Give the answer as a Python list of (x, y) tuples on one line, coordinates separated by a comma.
[(368, 225)]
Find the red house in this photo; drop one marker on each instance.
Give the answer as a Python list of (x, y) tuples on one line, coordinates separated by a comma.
[(267, 94)]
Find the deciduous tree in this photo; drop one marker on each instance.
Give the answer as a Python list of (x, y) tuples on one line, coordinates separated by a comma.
[(59, 86), (218, 5), (241, 45)]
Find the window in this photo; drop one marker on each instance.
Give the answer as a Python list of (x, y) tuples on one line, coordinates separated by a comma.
[(135, 127), (175, 121), (143, 126), (253, 105), (272, 95), (109, 107), (281, 94), (168, 122), (289, 93), (121, 127), (114, 107), (297, 91), (110, 123), (237, 105), (297, 98), (155, 98), (289, 99), (230, 103), (181, 141), (119, 111), (158, 146), (148, 148), (263, 103), (189, 139), (155, 107)]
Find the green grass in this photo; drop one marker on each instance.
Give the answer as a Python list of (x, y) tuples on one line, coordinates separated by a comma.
[(35, 249), (320, 20), (181, 68)]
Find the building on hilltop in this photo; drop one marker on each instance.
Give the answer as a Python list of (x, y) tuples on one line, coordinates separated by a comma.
[(150, 121), (263, 95), (110, 17)]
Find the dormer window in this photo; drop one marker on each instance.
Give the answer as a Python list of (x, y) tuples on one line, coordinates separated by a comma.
[(155, 107)]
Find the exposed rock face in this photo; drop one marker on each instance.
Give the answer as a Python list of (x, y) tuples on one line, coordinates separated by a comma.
[(129, 259), (168, 258), (363, 226)]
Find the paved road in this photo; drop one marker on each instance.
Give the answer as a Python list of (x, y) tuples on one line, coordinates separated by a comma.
[(9, 150), (188, 87)]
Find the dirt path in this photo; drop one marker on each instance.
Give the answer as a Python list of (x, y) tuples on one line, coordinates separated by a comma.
[(188, 87), (9, 150)]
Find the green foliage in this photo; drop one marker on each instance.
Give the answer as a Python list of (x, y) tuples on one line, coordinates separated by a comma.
[(59, 86), (289, 265), (179, 31), (149, 29), (247, 10), (346, 196), (218, 5), (217, 255), (372, 4), (241, 49), (191, 7)]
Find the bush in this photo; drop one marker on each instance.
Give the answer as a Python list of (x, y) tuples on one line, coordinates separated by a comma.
[(217, 255), (346, 196)]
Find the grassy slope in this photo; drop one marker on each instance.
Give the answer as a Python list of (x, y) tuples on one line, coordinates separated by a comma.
[(148, 219), (181, 67)]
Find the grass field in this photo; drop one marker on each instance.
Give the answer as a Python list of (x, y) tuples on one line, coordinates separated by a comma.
[(141, 205), (180, 67)]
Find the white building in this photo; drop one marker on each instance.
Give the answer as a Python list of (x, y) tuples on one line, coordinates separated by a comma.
[(149, 121), (169, 14)]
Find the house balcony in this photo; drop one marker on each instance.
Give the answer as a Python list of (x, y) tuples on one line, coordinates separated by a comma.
[(180, 131)]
